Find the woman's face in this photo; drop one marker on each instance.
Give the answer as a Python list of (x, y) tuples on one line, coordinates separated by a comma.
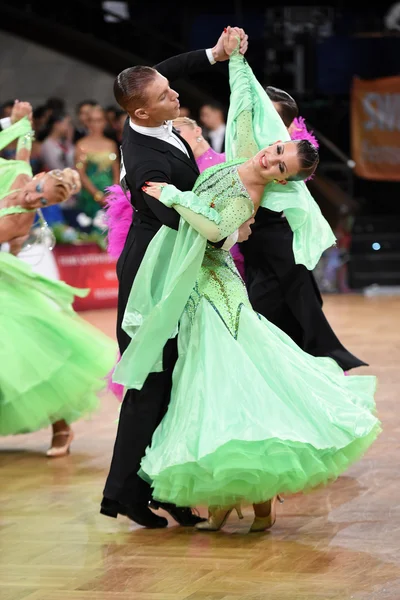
[(62, 127), (84, 114), (278, 161), (188, 133), (55, 188), (96, 121)]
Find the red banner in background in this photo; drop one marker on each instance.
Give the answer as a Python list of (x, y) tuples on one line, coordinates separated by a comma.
[(375, 128), (87, 266)]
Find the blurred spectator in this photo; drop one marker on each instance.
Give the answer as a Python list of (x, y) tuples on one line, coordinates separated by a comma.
[(184, 111), (98, 165), (6, 109), (111, 116), (120, 122), (41, 115), (57, 149), (57, 152), (56, 105), (111, 126), (82, 112), (212, 116)]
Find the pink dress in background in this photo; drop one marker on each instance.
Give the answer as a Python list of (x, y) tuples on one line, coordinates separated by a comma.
[(209, 159)]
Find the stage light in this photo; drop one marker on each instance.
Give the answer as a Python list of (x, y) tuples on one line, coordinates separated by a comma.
[(376, 246)]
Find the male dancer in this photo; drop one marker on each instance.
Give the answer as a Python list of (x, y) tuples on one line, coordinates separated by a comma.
[(151, 151)]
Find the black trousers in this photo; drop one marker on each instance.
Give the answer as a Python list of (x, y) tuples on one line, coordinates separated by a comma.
[(141, 412), (287, 294)]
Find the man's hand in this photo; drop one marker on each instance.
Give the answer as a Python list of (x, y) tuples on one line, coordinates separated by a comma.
[(218, 51), (245, 230), (230, 39), (21, 110)]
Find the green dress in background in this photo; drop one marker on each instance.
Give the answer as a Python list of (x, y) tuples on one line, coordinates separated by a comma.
[(99, 170), (251, 415)]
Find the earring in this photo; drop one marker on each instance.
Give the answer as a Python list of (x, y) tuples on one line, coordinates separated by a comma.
[(199, 139)]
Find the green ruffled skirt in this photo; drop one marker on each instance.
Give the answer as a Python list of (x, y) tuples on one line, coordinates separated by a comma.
[(53, 363), (254, 416)]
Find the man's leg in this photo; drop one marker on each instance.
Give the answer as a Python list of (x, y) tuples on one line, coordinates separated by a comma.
[(267, 298), (141, 412)]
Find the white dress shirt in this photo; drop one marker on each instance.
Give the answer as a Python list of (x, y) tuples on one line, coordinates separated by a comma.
[(163, 132), (217, 138), (6, 122)]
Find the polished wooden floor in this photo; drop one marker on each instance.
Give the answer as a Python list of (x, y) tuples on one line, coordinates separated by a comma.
[(340, 543)]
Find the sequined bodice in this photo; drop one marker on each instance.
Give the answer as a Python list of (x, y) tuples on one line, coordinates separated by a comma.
[(219, 281), (220, 183)]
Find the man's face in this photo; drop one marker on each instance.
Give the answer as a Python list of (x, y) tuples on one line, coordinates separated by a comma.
[(84, 114), (162, 103), (211, 117)]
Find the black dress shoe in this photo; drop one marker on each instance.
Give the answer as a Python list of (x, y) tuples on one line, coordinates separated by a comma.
[(140, 513), (183, 516)]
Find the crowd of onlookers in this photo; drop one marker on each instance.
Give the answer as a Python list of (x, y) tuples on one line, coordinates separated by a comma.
[(89, 142)]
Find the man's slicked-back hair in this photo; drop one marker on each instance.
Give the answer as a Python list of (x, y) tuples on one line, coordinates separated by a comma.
[(288, 108), (130, 86)]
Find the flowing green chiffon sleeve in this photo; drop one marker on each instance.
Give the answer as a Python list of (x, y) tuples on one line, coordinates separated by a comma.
[(311, 232), (10, 169), (163, 284), (213, 225)]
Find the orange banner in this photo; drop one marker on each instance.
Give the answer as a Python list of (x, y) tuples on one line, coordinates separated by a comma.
[(375, 128)]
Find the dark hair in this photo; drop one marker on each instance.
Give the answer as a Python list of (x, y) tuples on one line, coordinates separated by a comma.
[(56, 104), (54, 118), (215, 106), (8, 104), (288, 108), (84, 103), (130, 86), (308, 157), (39, 112)]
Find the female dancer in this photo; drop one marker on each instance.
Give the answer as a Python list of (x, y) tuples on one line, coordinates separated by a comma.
[(205, 157), (53, 363), (251, 415)]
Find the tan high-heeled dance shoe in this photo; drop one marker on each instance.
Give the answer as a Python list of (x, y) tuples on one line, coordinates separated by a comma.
[(264, 523), (57, 451), (217, 517)]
